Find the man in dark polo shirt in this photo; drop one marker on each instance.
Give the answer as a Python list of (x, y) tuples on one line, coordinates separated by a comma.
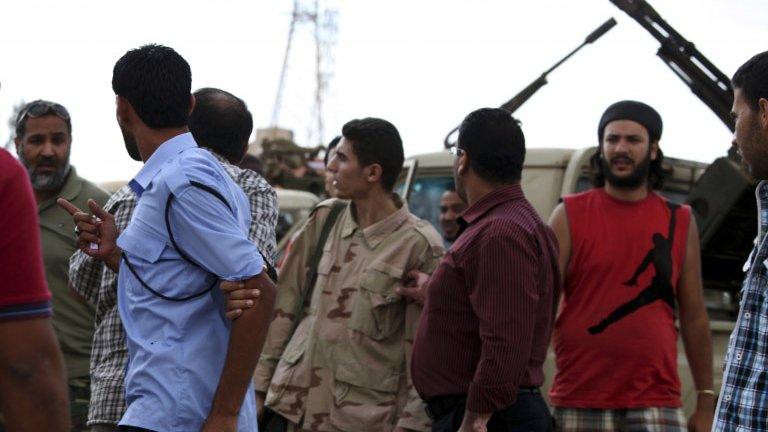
[(490, 305)]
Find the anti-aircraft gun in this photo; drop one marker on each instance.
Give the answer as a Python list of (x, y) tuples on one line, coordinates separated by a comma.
[(723, 198), (519, 99)]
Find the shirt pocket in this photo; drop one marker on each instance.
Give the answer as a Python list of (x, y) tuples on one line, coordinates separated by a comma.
[(364, 398), (379, 312), (141, 245), (287, 383)]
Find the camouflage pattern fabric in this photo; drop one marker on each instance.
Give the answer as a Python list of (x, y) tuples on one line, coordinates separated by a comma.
[(79, 398), (347, 366)]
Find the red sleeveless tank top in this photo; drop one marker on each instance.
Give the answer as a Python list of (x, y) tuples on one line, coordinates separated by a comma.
[(615, 339)]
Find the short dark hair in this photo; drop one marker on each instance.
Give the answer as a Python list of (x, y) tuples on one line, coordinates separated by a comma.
[(752, 79), (494, 143), (221, 122), (331, 145), (157, 82), (377, 141), (40, 108)]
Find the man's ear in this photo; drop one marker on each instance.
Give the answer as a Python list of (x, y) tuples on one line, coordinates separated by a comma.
[(192, 102), (462, 165), (762, 113), (373, 173), (18, 142), (122, 110), (654, 150)]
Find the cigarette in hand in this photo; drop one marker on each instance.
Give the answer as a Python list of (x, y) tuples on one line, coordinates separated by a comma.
[(95, 246)]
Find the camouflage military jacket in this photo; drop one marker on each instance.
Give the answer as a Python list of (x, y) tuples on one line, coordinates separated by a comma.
[(346, 367)]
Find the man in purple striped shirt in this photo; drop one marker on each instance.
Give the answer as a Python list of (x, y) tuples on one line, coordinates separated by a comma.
[(490, 305)]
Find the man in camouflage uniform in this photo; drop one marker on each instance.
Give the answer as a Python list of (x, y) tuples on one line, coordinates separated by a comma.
[(346, 367)]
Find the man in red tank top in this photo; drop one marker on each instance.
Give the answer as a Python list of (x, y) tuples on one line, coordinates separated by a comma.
[(628, 257)]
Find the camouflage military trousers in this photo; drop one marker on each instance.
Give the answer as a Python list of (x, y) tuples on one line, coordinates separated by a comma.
[(79, 397)]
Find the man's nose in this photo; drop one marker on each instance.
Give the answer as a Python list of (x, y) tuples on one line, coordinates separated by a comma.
[(47, 149)]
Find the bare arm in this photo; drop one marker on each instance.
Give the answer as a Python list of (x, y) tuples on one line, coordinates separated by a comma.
[(694, 327), (246, 340), (33, 392), (558, 221)]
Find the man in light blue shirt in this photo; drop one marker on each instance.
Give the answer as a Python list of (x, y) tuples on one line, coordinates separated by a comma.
[(189, 369)]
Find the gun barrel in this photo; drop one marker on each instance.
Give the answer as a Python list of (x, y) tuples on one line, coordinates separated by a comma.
[(520, 98), (603, 29)]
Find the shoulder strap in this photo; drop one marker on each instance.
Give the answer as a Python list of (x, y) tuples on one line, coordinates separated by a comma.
[(309, 281), (270, 270)]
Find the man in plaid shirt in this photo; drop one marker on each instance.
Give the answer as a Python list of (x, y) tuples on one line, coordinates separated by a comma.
[(221, 123), (743, 404)]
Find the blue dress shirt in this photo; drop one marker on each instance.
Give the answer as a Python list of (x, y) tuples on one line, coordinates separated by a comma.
[(177, 350)]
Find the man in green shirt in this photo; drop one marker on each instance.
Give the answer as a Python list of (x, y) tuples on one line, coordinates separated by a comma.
[(43, 142)]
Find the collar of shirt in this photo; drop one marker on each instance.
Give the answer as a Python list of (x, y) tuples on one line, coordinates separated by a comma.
[(377, 232), (154, 164), (761, 192), (490, 200), (72, 187)]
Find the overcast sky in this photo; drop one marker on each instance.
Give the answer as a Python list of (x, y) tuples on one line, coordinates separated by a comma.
[(421, 64)]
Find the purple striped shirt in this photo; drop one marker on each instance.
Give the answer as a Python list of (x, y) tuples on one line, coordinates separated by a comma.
[(490, 306)]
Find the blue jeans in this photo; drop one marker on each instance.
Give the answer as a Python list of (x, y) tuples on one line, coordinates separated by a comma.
[(528, 414)]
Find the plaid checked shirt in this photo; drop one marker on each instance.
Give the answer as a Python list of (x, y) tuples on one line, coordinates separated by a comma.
[(743, 403), (98, 284)]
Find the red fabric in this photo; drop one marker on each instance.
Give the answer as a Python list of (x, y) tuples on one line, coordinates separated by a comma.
[(489, 312), (632, 362), (22, 280)]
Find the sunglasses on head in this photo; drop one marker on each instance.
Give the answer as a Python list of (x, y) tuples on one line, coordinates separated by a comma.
[(41, 108)]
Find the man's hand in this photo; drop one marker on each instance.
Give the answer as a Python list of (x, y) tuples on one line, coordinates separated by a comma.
[(97, 228), (238, 297), (217, 423), (474, 422), (701, 419), (415, 287)]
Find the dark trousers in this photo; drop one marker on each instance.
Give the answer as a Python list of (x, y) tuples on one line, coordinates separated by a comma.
[(133, 429), (528, 414)]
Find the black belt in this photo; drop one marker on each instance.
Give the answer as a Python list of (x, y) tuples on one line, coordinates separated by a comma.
[(442, 405)]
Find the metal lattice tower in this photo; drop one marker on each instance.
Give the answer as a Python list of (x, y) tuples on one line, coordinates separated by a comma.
[(323, 26)]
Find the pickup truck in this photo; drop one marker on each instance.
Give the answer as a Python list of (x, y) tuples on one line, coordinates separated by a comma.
[(549, 174)]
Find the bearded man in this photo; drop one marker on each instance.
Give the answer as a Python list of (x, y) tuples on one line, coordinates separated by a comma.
[(630, 264), (43, 143)]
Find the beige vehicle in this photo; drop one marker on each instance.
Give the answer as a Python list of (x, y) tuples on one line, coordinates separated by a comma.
[(549, 174), (294, 206)]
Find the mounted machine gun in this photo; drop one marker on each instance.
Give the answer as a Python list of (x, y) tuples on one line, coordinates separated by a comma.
[(519, 99), (723, 198)]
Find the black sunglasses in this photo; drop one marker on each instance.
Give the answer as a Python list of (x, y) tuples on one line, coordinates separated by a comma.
[(41, 108)]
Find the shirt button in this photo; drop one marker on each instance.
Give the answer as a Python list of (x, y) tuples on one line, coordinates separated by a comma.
[(747, 315), (727, 397), (738, 355)]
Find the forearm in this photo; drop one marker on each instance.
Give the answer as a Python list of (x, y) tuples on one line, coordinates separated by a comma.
[(85, 276), (113, 261), (697, 340), (33, 392), (246, 340)]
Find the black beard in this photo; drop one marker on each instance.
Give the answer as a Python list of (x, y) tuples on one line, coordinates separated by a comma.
[(130, 145), (638, 178)]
